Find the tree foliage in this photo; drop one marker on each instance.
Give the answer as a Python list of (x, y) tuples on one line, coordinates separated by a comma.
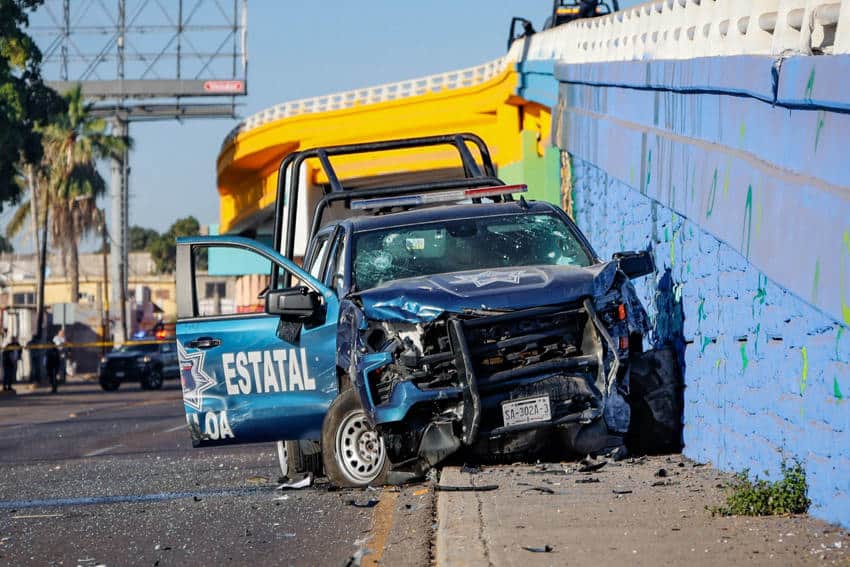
[(141, 238), (26, 103), (164, 248), (73, 143)]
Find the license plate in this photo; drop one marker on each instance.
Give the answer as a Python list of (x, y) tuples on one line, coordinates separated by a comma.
[(528, 410), (119, 374)]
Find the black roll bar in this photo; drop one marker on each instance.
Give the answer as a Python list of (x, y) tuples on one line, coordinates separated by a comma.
[(473, 177)]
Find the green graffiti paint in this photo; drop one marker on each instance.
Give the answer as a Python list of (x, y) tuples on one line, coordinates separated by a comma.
[(761, 293), (648, 169), (747, 228), (712, 194), (836, 389), (838, 342), (743, 132), (632, 175), (845, 307), (701, 316), (756, 334), (673, 249), (726, 183), (705, 342), (816, 281), (810, 85), (745, 362), (804, 374), (821, 122)]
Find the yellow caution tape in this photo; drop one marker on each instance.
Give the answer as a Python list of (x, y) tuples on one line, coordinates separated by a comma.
[(96, 344)]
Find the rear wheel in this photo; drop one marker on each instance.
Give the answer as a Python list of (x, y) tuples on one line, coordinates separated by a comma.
[(297, 457), (353, 451), (109, 384)]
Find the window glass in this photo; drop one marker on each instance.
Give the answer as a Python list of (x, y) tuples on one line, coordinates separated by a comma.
[(237, 279), (468, 244), (320, 252), (336, 270)]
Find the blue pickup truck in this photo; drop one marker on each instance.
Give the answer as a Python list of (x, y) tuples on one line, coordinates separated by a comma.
[(426, 318)]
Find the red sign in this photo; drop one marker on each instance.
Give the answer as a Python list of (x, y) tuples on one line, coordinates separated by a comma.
[(224, 87)]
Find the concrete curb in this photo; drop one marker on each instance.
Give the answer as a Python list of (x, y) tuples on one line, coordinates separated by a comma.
[(460, 525)]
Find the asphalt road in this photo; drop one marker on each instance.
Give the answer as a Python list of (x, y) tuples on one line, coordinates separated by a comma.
[(95, 478)]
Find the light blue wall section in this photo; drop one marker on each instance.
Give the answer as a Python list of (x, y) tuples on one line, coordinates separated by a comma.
[(734, 172)]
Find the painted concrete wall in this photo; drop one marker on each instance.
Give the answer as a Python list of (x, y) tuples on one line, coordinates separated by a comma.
[(734, 172)]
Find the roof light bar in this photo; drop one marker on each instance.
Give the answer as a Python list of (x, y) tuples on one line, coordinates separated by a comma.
[(437, 197)]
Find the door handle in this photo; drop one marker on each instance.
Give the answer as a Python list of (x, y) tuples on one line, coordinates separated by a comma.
[(204, 343)]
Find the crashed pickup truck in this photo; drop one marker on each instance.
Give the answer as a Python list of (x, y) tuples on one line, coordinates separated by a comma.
[(427, 318)]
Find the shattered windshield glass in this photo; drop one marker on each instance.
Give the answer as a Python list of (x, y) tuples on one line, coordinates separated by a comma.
[(467, 244)]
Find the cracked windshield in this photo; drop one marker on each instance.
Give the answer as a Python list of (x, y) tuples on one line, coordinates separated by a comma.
[(466, 244)]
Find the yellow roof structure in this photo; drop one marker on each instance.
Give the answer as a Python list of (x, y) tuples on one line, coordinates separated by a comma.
[(480, 102)]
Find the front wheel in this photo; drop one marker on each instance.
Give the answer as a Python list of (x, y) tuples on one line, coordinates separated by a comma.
[(353, 451), (153, 380)]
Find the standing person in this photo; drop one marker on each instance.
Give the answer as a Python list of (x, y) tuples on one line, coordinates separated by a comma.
[(53, 361), (59, 340), (11, 356)]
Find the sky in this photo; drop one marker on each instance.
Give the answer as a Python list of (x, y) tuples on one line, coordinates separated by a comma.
[(300, 49)]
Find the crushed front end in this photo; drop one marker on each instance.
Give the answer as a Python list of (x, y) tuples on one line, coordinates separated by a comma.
[(499, 382)]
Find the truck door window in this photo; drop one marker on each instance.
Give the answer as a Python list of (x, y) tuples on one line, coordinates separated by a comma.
[(240, 275), (316, 261), (335, 277)]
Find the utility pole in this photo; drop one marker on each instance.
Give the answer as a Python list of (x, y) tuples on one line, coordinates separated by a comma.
[(118, 247), (104, 297)]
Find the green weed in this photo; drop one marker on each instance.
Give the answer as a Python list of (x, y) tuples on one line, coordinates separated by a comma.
[(764, 498)]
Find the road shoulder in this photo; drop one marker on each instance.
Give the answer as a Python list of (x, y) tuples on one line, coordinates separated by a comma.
[(643, 511)]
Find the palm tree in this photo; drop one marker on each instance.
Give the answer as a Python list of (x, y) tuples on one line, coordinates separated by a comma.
[(73, 143)]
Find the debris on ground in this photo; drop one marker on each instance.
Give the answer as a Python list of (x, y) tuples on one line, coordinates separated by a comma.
[(587, 480), (540, 489), (370, 503), (621, 491), (588, 464), (470, 488), (257, 480), (302, 481), (545, 549), (661, 473)]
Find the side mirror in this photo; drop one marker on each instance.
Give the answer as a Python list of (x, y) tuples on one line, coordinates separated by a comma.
[(635, 264), (295, 304)]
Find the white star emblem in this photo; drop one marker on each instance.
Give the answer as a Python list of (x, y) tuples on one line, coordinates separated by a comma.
[(492, 276), (194, 379)]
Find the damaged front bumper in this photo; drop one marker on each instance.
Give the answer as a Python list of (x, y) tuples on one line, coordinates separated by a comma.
[(434, 387)]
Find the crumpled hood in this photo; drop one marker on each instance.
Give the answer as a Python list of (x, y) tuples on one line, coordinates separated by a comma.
[(423, 299)]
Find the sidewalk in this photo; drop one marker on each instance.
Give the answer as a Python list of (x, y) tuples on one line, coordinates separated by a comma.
[(627, 513)]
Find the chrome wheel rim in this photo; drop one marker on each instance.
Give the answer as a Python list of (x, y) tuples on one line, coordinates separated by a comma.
[(360, 450), (283, 458)]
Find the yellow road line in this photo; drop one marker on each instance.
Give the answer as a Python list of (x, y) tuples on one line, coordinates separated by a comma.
[(382, 523)]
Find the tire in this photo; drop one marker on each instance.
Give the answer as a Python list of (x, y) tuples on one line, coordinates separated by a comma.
[(657, 403), (294, 460), (353, 453), (109, 384), (152, 380)]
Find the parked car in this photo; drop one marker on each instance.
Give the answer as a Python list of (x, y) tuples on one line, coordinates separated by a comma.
[(147, 362)]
